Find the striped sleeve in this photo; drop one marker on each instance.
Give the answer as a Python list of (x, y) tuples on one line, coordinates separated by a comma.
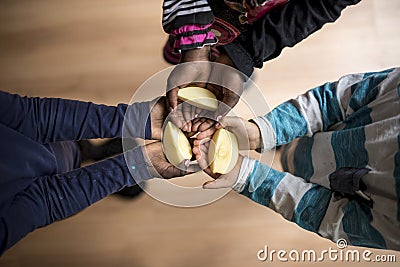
[(322, 107), (189, 21), (295, 199), (312, 207)]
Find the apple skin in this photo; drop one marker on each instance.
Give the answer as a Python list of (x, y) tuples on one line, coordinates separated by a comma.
[(175, 144), (223, 152), (199, 97)]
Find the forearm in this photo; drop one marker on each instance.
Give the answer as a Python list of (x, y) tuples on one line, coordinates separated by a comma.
[(314, 207), (52, 198), (281, 126), (289, 195), (320, 108), (311, 112), (282, 27), (53, 119)]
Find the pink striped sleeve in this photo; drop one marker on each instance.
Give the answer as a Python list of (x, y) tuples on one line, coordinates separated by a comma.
[(193, 36)]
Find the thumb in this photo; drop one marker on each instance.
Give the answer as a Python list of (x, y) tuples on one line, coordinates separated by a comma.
[(172, 98), (217, 184), (229, 100), (229, 122), (221, 111)]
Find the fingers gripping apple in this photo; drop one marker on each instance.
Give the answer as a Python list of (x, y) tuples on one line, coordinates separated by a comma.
[(176, 146), (198, 97), (223, 152)]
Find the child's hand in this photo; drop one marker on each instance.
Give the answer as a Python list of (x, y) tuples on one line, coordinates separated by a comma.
[(194, 71), (221, 181), (227, 84), (159, 165), (158, 113), (248, 134)]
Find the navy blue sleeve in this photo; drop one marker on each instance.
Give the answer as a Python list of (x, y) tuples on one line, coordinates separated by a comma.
[(48, 120), (52, 198)]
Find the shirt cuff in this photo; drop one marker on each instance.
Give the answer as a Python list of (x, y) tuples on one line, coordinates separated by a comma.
[(193, 36), (239, 56), (245, 170), (137, 165), (267, 134), (137, 120)]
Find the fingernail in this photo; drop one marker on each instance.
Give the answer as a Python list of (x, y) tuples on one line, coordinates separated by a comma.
[(196, 115), (187, 163), (219, 118)]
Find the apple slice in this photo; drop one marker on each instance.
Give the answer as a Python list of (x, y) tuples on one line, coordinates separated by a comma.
[(223, 152), (176, 146), (199, 97)]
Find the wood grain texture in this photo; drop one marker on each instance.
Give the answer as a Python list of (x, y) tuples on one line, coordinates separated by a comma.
[(102, 51)]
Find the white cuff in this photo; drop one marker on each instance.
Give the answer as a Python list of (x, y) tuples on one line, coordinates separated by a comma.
[(268, 138), (244, 173)]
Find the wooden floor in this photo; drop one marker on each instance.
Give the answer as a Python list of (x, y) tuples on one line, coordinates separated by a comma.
[(102, 51)]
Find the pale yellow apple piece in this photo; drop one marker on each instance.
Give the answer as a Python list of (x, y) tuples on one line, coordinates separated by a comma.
[(223, 151), (176, 146), (199, 97)]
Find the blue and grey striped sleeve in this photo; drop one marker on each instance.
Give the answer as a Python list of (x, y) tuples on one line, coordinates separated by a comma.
[(357, 120), (320, 108), (295, 199), (312, 207)]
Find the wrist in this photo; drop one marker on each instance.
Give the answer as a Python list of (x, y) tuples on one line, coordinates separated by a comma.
[(156, 118), (151, 151), (266, 132), (196, 54), (233, 175), (256, 140), (246, 168)]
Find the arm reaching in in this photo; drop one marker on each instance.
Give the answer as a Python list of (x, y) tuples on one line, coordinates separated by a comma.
[(189, 23), (282, 27), (322, 107), (311, 206), (52, 198), (48, 120)]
